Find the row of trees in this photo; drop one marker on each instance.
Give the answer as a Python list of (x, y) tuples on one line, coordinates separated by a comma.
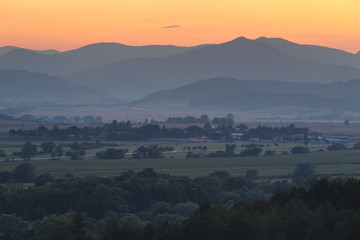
[(76, 149), (332, 147), (227, 120), (125, 131)]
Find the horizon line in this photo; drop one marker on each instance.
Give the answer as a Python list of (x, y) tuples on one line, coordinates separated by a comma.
[(130, 45)]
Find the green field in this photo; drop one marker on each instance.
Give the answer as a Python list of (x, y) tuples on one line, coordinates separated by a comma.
[(334, 163), (327, 163)]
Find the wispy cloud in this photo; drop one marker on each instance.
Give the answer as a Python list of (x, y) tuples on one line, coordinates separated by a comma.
[(171, 26)]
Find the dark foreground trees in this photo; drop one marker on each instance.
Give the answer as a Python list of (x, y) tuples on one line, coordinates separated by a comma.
[(327, 210)]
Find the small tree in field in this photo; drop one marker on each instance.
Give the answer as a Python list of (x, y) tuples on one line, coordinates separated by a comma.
[(28, 150)]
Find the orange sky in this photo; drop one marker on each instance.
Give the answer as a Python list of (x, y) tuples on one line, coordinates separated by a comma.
[(67, 24)]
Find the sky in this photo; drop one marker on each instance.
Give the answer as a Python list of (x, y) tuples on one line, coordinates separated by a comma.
[(69, 24)]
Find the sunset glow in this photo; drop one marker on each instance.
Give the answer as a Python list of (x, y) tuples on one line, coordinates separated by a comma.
[(67, 24)]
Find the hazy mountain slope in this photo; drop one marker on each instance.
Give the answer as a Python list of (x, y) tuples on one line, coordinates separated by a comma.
[(104, 53), (322, 55), (6, 49), (230, 92), (48, 51), (240, 58), (21, 84), (217, 86), (34, 61)]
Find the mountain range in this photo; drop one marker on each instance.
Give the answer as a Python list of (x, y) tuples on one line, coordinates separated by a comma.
[(134, 72)]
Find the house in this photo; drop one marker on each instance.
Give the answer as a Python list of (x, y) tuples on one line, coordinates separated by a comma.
[(237, 136), (298, 137), (255, 139)]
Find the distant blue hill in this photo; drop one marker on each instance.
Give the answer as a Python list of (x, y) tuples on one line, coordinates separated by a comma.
[(234, 93), (18, 84)]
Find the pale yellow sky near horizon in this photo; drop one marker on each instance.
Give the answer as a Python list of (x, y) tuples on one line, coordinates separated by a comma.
[(68, 24)]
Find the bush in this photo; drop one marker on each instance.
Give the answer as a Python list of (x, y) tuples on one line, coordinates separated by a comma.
[(112, 153), (193, 155), (304, 170), (251, 151), (269, 153), (43, 179), (24, 173), (218, 154), (2, 153), (284, 152), (252, 174), (336, 147), (28, 150), (5, 176), (74, 155), (299, 150), (356, 146), (152, 151)]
